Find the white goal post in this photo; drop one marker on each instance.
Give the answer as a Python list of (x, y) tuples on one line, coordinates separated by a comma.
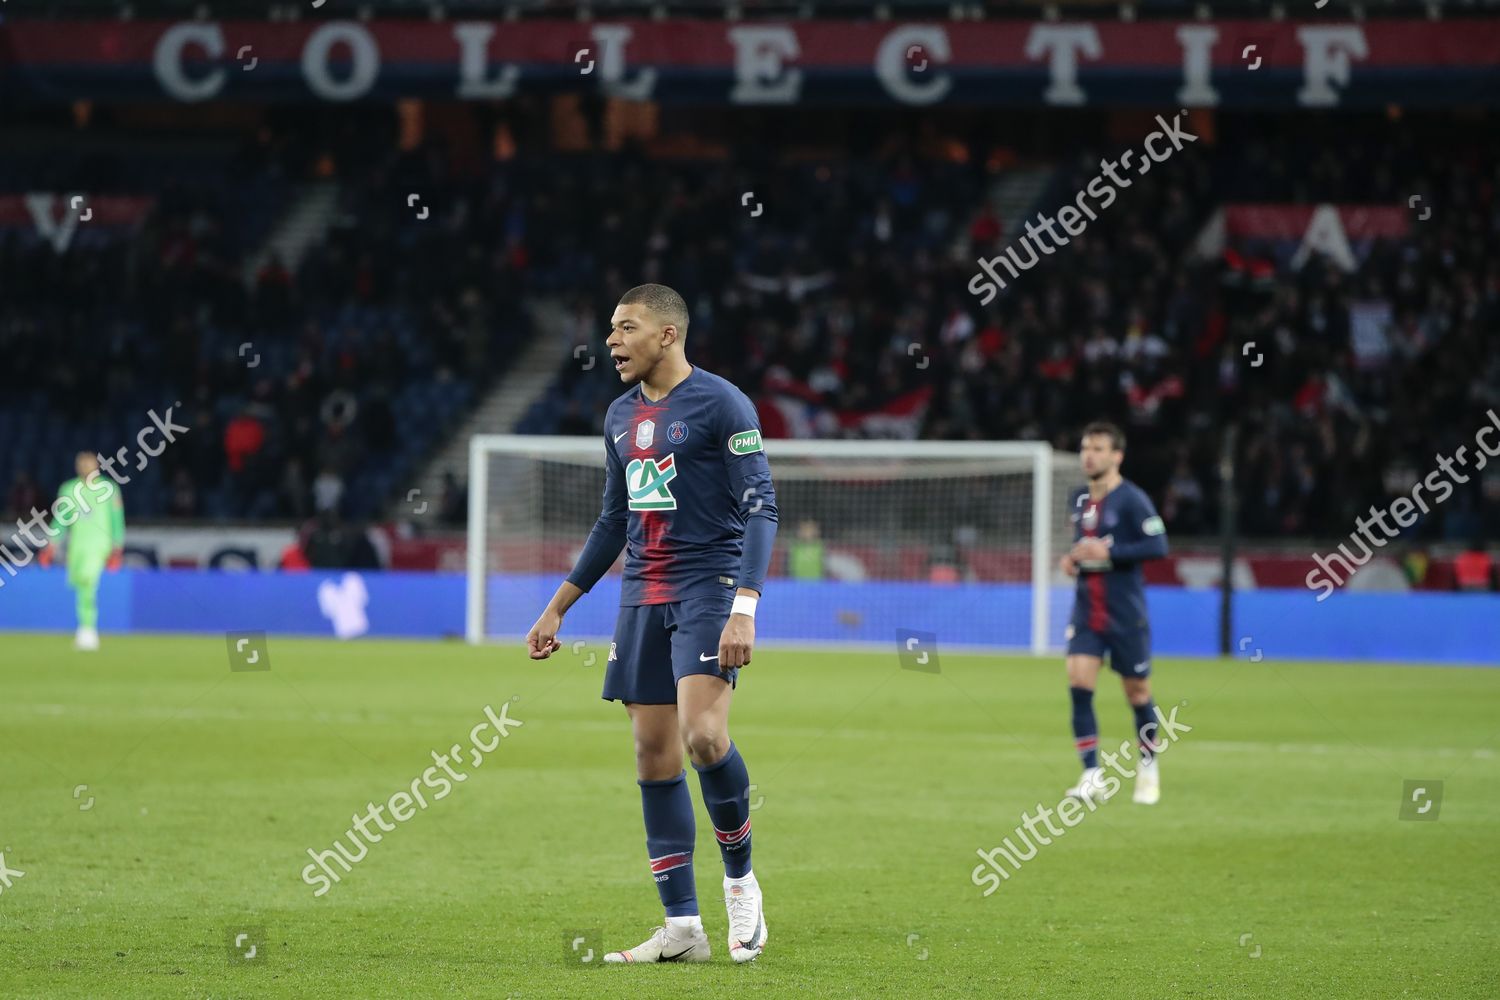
[(956, 539)]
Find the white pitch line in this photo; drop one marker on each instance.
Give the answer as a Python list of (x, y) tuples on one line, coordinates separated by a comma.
[(1002, 743)]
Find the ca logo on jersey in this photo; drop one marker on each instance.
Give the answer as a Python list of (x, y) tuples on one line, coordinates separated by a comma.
[(646, 482)]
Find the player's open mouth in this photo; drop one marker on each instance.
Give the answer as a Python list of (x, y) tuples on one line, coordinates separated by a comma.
[(620, 361)]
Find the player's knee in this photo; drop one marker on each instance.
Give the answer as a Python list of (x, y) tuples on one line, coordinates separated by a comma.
[(657, 755), (657, 763), (705, 743)]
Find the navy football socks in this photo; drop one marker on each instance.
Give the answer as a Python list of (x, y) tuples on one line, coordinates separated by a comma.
[(726, 793), (670, 832), (1085, 726), (1145, 727)]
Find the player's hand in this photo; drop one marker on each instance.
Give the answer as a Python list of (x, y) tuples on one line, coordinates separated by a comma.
[(1068, 565), (1090, 550), (116, 560), (541, 641), (736, 642)]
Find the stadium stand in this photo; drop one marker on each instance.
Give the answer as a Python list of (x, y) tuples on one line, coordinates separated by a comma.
[(385, 332)]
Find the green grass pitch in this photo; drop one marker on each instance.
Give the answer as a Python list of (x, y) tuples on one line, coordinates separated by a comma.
[(1275, 866)]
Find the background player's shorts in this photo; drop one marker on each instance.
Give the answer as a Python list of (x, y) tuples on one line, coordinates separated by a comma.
[(86, 565), (657, 645), (1128, 649)]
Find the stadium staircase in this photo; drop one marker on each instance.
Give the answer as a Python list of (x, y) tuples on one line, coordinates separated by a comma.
[(528, 378), (1015, 197), (303, 224)]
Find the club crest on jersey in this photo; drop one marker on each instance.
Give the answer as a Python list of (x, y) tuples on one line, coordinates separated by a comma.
[(645, 433), (646, 482), (677, 432)]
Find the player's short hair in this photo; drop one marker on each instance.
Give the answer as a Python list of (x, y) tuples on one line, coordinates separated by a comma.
[(1109, 430), (663, 301)]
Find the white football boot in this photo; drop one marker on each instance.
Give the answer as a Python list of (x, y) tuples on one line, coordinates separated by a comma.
[(1147, 783), (747, 920), (86, 639), (1090, 787), (667, 944)]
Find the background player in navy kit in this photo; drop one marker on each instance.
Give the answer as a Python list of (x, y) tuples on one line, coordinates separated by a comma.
[(687, 492), (1116, 529)]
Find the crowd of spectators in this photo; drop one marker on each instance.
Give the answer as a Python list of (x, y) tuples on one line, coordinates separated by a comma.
[(845, 302), (841, 307), (307, 391)]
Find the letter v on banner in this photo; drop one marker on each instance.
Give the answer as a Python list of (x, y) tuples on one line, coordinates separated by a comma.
[(55, 227)]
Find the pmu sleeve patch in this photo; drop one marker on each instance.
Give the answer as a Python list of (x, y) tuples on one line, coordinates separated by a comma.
[(745, 442)]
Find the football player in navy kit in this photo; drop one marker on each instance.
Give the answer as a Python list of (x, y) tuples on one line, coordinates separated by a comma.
[(688, 495), (1116, 529)]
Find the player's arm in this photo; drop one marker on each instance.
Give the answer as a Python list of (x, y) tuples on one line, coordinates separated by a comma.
[(749, 479), (56, 532), (1067, 563), (1151, 542), (599, 553)]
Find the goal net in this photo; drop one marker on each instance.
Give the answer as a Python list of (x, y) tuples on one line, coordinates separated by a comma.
[(955, 542)]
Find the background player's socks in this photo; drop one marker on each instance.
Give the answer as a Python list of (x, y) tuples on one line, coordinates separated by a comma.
[(1145, 728), (670, 833), (1085, 726), (726, 793)]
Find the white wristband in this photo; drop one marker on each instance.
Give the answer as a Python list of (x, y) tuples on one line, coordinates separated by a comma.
[(744, 604)]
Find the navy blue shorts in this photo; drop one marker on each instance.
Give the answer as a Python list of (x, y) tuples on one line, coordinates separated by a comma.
[(657, 645), (1129, 650)]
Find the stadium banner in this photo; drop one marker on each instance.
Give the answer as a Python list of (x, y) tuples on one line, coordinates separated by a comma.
[(1293, 235), (58, 219), (250, 549), (207, 548), (1157, 64), (1349, 626)]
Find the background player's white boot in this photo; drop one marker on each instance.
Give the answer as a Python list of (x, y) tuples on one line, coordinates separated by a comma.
[(747, 919), (1090, 787), (671, 943), (86, 639), (1147, 783)]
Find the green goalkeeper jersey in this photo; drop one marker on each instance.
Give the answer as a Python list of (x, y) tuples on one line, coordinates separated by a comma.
[(93, 517)]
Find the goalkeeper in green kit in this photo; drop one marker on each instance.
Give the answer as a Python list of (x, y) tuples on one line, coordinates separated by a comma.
[(90, 522)]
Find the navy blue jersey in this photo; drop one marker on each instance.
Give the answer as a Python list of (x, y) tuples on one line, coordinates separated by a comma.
[(683, 476), (1112, 593)]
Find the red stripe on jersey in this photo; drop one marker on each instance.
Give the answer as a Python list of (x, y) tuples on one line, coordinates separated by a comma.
[(656, 559), (1098, 612)]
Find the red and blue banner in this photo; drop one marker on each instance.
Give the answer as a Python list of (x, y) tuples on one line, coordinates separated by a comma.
[(1198, 64)]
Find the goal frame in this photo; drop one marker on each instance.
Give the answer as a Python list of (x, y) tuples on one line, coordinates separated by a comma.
[(1039, 453)]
